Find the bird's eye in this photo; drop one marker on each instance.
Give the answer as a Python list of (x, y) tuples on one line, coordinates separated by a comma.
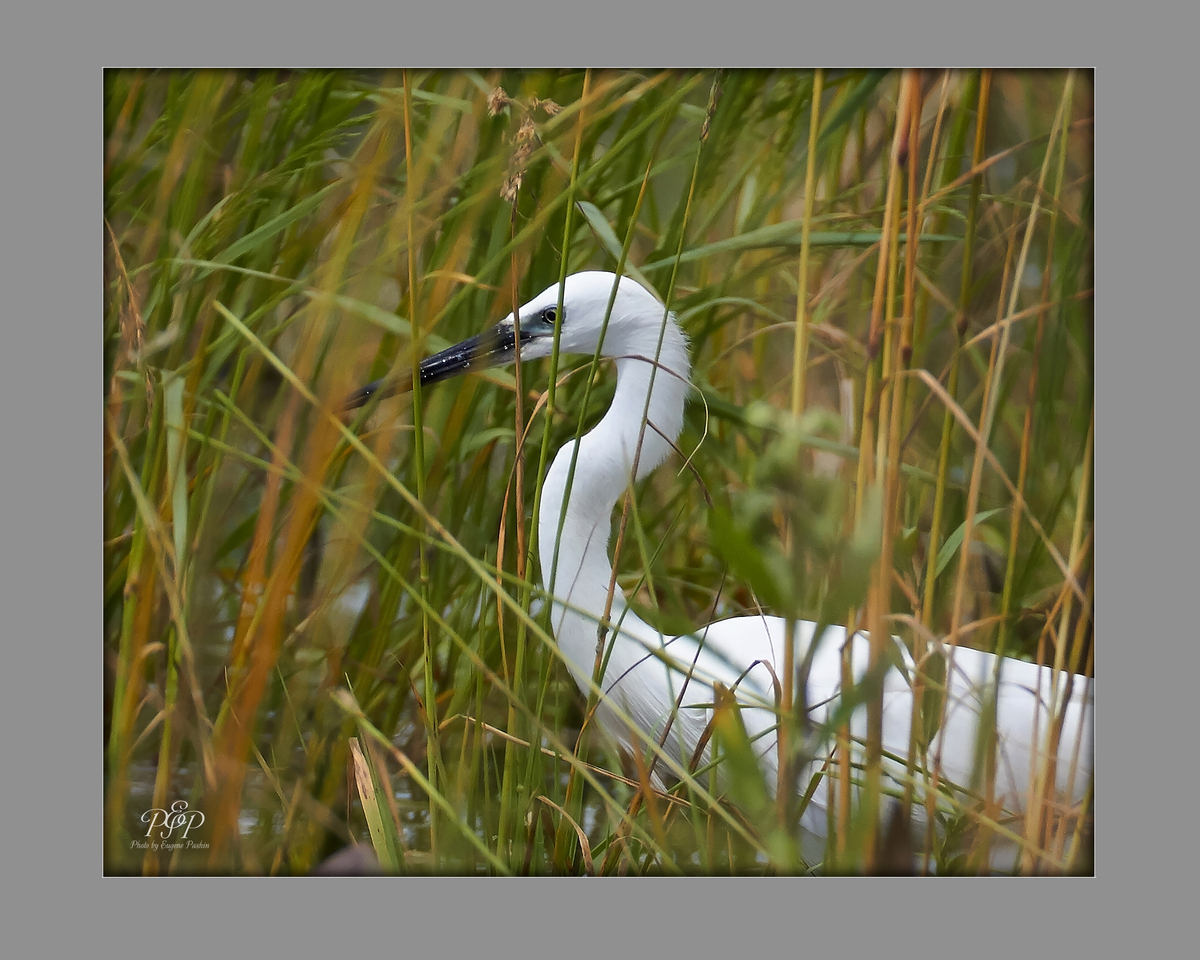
[(550, 314)]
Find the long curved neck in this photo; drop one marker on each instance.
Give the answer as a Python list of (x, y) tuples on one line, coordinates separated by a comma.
[(578, 572)]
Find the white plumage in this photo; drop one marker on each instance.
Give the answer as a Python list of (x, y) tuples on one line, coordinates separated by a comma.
[(645, 671)]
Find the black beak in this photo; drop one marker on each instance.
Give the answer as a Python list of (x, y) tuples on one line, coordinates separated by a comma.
[(490, 349), (360, 396)]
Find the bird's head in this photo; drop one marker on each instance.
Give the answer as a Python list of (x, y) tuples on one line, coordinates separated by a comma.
[(635, 314)]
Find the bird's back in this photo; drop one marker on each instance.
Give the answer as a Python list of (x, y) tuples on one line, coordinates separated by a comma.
[(745, 654)]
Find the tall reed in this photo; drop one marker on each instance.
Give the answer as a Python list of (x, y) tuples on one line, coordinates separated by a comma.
[(322, 630)]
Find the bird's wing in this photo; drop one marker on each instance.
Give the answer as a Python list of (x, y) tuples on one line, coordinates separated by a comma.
[(1023, 706)]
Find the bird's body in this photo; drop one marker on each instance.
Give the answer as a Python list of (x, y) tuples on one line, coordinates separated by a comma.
[(647, 674)]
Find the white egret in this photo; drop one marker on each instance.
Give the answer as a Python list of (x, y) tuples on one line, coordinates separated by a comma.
[(644, 679)]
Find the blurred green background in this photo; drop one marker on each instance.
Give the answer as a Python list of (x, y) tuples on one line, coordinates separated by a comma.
[(293, 644)]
